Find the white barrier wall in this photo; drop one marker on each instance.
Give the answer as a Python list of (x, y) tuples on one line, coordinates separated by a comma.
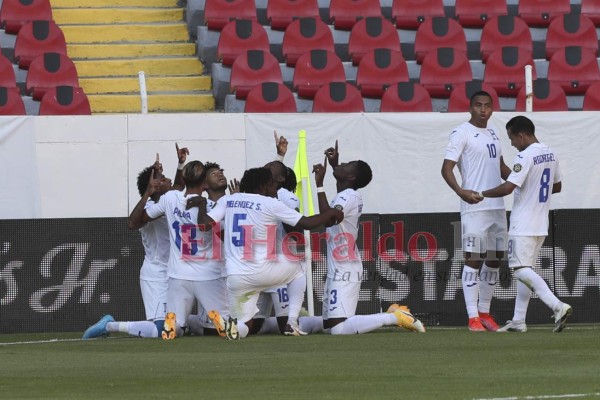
[(87, 166)]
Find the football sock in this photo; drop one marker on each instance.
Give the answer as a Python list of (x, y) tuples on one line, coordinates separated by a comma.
[(471, 290), (311, 324), (144, 329), (539, 286), (522, 301), (243, 329), (363, 323), (114, 327), (488, 277), (296, 293)]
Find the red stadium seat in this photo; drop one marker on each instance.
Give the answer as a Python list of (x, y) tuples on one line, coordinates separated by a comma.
[(439, 32), (503, 31), (476, 13), (570, 29), (270, 97), (443, 69), (65, 100), (316, 68), (239, 36), (547, 96), (574, 68), (343, 14), (460, 98), (281, 13), (38, 37), (11, 102), (338, 97), (218, 13), (591, 100), (50, 70), (591, 9), (378, 69), (505, 70), (305, 34), (252, 68), (7, 73), (542, 12), (16, 13), (372, 33), (406, 97), (409, 14)]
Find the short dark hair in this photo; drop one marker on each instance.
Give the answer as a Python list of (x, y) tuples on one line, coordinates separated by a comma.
[(290, 180), (143, 178), (211, 165), (478, 94), (254, 179), (194, 173), (521, 124), (363, 174)]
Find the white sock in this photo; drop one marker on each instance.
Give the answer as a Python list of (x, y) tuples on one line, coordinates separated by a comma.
[(471, 290), (113, 327), (539, 286), (522, 301), (143, 329), (269, 326), (296, 290), (311, 324), (363, 324), (243, 329), (488, 277)]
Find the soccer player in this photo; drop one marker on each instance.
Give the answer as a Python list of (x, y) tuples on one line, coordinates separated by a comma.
[(194, 271), (534, 178), (250, 219), (344, 267), (475, 147)]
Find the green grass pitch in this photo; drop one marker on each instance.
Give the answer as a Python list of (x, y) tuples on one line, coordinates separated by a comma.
[(386, 364)]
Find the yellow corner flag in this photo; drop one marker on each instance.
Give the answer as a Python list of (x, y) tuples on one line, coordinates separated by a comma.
[(303, 190)]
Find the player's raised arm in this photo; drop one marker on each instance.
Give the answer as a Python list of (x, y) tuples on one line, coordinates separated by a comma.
[(138, 217), (178, 182), (332, 155), (319, 171), (281, 145)]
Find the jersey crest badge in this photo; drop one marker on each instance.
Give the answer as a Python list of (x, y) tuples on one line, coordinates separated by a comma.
[(517, 168), (339, 207)]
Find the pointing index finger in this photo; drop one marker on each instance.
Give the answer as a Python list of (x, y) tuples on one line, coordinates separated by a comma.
[(157, 158)]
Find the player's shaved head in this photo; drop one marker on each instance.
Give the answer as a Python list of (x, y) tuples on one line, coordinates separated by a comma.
[(521, 124), (362, 173), (481, 93)]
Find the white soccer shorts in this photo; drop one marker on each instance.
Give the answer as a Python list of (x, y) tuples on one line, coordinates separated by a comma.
[(484, 231), (211, 295), (523, 250), (154, 295), (340, 298)]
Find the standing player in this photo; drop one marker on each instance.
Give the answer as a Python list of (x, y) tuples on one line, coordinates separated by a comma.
[(475, 147), (344, 267), (534, 177), (194, 272), (251, 218)]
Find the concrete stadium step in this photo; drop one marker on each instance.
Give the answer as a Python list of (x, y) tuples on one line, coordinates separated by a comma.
[(123, 103), (153, 84), (131, 67), (72, 16), (56, 4), (152, 33), (130, 50)]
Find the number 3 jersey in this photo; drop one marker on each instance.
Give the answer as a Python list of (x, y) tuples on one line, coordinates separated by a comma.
[(477, 152), (534, 172), (191, 256)]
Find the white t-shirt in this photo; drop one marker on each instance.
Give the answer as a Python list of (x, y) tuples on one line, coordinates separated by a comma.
[(343, 258), (477, 152), (193, 261), (155, 239), (261, 215), (534, 172)]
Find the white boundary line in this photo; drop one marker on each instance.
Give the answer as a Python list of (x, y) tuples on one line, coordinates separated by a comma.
[(57, 341), (546, 396)]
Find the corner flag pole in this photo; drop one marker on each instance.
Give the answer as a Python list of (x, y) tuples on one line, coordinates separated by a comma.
[(304, 194)]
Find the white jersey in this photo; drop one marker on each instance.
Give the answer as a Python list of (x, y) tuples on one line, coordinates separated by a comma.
[(260, 215), (343, 258), (477, 152), (534, 172), (193, 260), (290, 200), (155, 239)]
